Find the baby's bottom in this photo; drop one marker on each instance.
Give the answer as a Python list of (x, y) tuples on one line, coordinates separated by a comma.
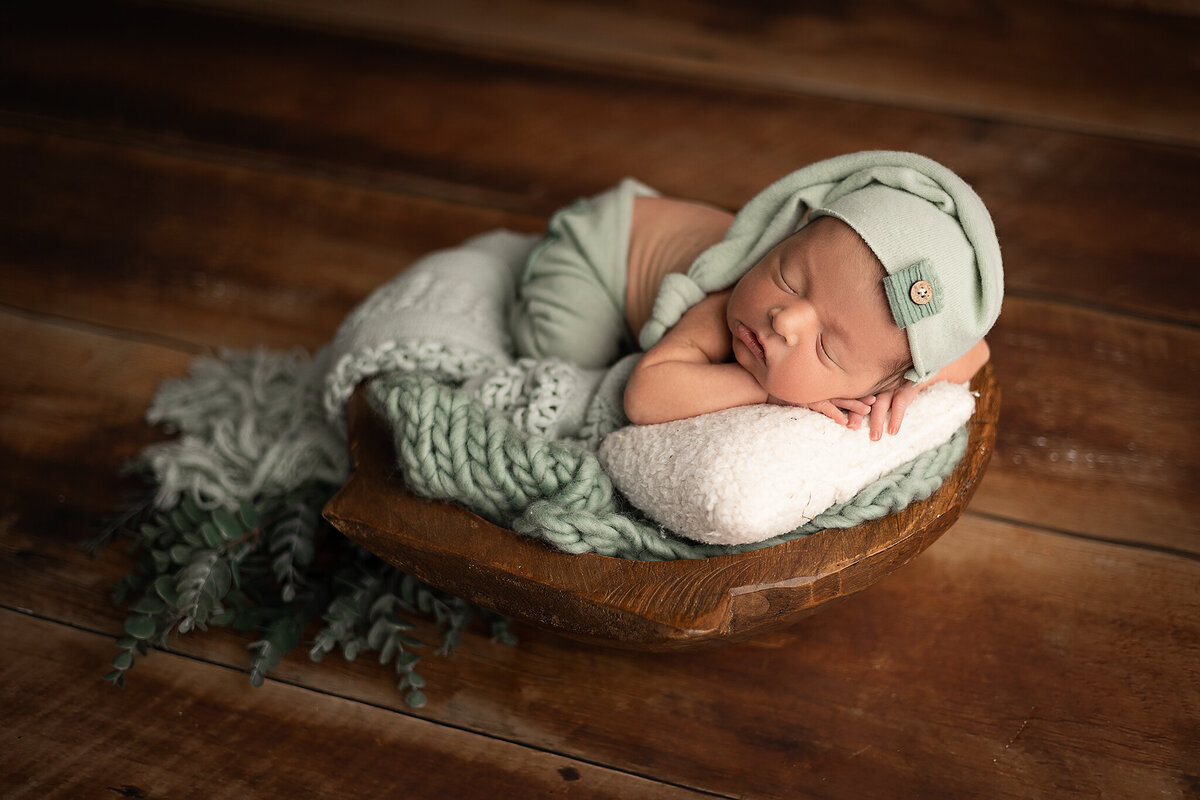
[(571, 293)]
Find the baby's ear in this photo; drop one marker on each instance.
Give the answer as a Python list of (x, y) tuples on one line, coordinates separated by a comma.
[(896, 381)]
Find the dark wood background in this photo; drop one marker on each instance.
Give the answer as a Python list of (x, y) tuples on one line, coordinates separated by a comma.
[(181, 177)]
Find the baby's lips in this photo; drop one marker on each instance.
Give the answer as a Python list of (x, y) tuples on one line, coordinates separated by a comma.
[(751, 340)]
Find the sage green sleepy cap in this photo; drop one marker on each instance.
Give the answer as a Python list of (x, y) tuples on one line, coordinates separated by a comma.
[(925, 224)]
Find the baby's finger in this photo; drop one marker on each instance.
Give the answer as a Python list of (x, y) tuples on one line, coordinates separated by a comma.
[(854, 406), (879, 415), (900, 404), (855, 422), (830, 410)]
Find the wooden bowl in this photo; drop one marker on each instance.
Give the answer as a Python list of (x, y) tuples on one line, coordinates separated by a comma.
[(647, 605)]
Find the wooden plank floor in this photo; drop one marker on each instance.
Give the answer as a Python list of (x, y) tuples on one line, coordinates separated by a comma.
[(179, 177)]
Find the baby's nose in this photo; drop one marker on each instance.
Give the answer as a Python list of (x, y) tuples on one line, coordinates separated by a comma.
[(791, 321)]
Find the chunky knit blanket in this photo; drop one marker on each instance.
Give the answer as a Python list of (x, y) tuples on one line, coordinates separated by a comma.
[(515, 440)]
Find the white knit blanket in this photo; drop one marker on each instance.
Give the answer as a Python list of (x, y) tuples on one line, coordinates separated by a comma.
[(446, 315)]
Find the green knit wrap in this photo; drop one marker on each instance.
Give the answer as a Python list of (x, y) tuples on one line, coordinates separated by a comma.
[(449, 447)]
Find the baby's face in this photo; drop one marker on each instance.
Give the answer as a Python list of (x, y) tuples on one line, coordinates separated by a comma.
[(810, 321)]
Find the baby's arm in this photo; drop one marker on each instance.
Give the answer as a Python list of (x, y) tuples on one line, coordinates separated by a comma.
[(686, 373), (891, 405)]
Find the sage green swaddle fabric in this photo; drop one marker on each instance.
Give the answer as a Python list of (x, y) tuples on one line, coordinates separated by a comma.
[(571, 290)]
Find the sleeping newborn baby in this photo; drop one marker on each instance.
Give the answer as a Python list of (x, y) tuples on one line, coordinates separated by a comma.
[(845, 287)]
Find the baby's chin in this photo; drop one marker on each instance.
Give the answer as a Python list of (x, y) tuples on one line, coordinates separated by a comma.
[(792, 399), (819, 395), (802, 398), (779, 401)]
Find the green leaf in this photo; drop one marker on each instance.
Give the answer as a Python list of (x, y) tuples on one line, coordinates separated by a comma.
[(116, 678), (123, 660), (377, 634), (140, 626), (126, 642), (179, 553), (229, 526), (408, 591), (425, 600), (416, 699), (161, 559), (179, 520), (222, 580), (248, 515), (415, 680), (192, 511), (399, 622), (382, 605), (210, 536), (164, 585), (149, 605), (223, 617), (201, 585)]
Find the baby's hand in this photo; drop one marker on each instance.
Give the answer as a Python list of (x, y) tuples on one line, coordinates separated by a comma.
[(854, 410), (891, 405)]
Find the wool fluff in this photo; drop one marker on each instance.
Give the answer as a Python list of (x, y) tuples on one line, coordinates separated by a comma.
[(751, 473)]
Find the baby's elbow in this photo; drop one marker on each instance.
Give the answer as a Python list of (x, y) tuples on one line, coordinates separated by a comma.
[(641, 406), (974, 361), (983, 352), (635, 416), (637, 410)]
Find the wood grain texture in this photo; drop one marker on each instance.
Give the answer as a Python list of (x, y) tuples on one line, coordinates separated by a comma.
[(188, 729), (166, 246), (1108, 71), (665, 605), (1098, 221), (1102, 409), (999, 656)]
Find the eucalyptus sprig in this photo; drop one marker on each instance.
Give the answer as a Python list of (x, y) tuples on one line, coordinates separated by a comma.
[(256, 568)]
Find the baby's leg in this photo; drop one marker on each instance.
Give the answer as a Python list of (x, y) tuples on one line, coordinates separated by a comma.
[(565, 314), (571, 294)]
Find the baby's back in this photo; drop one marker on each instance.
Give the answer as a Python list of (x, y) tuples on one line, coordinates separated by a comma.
[(666, 236)]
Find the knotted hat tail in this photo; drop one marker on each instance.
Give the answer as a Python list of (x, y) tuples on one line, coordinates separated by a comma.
[(927, 226)]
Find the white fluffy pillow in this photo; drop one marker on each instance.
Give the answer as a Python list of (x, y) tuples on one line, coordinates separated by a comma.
[(747, 474)]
